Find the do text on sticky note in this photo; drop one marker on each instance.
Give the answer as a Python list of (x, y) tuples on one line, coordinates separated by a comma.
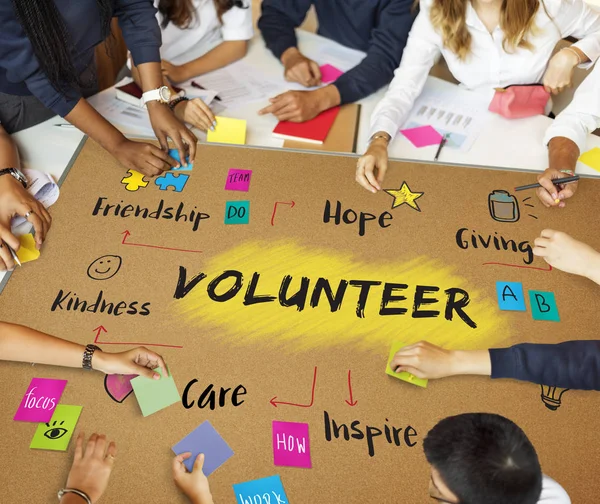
[(237, 212)]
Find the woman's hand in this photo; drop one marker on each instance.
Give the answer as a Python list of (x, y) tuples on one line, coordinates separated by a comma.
[(371, 167), (175, 73), (559, 74), (143, 157), (193, 484), (139, 361), (166, 125), (196, 113)]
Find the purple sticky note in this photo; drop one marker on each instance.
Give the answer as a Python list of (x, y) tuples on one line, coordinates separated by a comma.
[(40, 400), (238, 180), (422, 136), (291, 444), (204, 439), (329, 73)]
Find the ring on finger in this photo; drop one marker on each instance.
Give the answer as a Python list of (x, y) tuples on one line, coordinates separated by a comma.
[(27, 214)]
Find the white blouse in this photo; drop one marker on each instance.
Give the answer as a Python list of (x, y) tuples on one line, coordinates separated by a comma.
[(488, 66), (552, 492)]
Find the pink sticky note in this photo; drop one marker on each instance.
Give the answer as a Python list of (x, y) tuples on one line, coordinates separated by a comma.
[(422, 136), (238, 180), (118, 386), (329, 73), (40, 400), (291, 444)]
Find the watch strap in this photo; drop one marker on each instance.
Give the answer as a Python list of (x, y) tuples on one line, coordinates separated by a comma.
[(16, 173), (88, 353)]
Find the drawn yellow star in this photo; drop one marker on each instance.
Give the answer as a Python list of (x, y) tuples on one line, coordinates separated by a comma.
[(405, 195)]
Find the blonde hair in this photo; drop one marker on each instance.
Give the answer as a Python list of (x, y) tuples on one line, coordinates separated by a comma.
[(516, 21)]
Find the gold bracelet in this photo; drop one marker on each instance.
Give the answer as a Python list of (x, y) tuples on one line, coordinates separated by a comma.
[(380, 135), (575, 53)]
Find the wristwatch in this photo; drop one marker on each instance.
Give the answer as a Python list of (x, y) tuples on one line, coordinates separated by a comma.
[(88, 353), (162, 95), (15, 172)]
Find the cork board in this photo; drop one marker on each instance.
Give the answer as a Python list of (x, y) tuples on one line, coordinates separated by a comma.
[(296, 365)]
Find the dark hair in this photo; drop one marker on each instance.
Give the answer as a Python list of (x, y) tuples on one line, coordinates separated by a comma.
[(485, 458), (181, 12), (44, 26)]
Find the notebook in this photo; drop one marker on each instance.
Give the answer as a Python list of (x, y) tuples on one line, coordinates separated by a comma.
[(314, 131), (132, 94)]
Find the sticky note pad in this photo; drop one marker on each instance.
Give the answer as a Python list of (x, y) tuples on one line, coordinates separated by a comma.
[(174, 153), (238, 180), (591, 158), (543, 306), (291, 444), (40, 400), (422, 136), (228, 131), (329, 73), (237, 212), (272, 487), (204, 439), (154, 395), (57, 432), (27, 252), (510, 296), (403, 375)]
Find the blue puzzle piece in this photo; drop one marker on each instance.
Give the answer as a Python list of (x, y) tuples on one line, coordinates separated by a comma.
[(543, 306), (174, 153), (510, 296), (176, 181)]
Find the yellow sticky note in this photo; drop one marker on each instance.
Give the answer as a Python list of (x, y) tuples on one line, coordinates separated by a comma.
[(403, 375), (228, 131), (27, 252), (591, 158)]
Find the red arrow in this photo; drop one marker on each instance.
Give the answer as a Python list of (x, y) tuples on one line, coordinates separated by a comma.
[(312, 398), (351, 402), (126, 234), (291, 203), (101, 329), (549, 268)]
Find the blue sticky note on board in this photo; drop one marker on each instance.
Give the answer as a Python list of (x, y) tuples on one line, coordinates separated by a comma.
[(204, 439), (174, 153), (543, 306), (237, 212), (510, 296), (254, 491)]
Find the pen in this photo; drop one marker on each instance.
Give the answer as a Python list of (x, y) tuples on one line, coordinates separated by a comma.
[(12, 252), (196, 85), (559, 181), (442, 143), (65, 125)]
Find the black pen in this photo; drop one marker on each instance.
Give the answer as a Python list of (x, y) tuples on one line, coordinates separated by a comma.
[(442, 143), (12, 252), (196, 85), (558, 181)]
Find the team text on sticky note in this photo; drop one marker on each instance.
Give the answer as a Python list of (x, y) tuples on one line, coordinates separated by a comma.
[(510, 296), (40, 400), (291, 444), (543, 306), (261, 491), (237, 212), (238, 180), (403, 375), (228, 131), (155, 395), (57, 432)]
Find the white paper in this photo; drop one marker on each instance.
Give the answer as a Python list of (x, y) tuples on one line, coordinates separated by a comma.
[(42, 187)]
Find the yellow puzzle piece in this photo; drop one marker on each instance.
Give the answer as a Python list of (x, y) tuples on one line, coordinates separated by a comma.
[(134, 181), (27, 252)]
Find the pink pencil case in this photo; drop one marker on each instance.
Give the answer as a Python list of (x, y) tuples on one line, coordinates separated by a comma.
[(517, 102)]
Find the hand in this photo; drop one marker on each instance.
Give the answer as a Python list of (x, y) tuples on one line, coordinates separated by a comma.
[(298, 68), (139, 361), (559, 74), (143, 157), (90, 471), (371, 167), (295, 106), (175, 73), (166, 125), (196, 113), (549, 193), (567, 254), (195, 484)]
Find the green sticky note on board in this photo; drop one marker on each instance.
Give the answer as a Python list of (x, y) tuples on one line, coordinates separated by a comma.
[(591, 158), (154, 395), (543, 306), (403, 375), (56, 434)]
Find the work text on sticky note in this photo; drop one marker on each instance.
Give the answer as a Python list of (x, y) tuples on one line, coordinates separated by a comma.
[(57, 432), (238, 180), (403, 375), (291, 444), (422, 136), (261, 491), (27, 251), (228, 131), (204, 439), (154, 395), (237, 212), (543, 306), (40, 400), (510, 296)]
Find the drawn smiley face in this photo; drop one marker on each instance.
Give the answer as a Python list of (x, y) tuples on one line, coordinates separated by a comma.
[(105, 267)]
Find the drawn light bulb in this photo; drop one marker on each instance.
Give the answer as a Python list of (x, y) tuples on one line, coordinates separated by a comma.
[(551, 396)]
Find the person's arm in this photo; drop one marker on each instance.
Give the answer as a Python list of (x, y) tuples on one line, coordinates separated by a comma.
[(579, 20)]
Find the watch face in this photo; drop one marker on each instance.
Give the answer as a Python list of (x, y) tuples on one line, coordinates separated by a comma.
[(165, 94)]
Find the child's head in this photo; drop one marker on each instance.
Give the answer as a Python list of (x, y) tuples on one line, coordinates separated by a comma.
[(481, 457)]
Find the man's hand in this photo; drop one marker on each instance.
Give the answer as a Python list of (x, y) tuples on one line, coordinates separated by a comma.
[(300, 106), (300, 69), (551, 195)]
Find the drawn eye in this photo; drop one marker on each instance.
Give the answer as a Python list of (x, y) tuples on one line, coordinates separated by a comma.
[(55, 432)]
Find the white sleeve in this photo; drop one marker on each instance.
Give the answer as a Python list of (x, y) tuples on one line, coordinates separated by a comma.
[(422, 48), (582, 116), (577, 19), (553, 493), (237, 23)]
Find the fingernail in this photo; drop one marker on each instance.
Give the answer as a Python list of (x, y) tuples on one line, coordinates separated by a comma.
[(156, 376), (214, 123), (212, 128)]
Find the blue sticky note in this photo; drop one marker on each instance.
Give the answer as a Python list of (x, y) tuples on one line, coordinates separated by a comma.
[(237, 212), (510, 296), (543, 306), (204, 439), (174, 153), (252, 492)]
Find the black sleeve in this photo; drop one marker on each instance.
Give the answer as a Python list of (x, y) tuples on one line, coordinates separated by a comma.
[(573, 364)]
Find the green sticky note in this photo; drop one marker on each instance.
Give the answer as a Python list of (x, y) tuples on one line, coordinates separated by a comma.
[(56, 434), (403, 375), (237, 212), (543, 306), (154, 395)]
